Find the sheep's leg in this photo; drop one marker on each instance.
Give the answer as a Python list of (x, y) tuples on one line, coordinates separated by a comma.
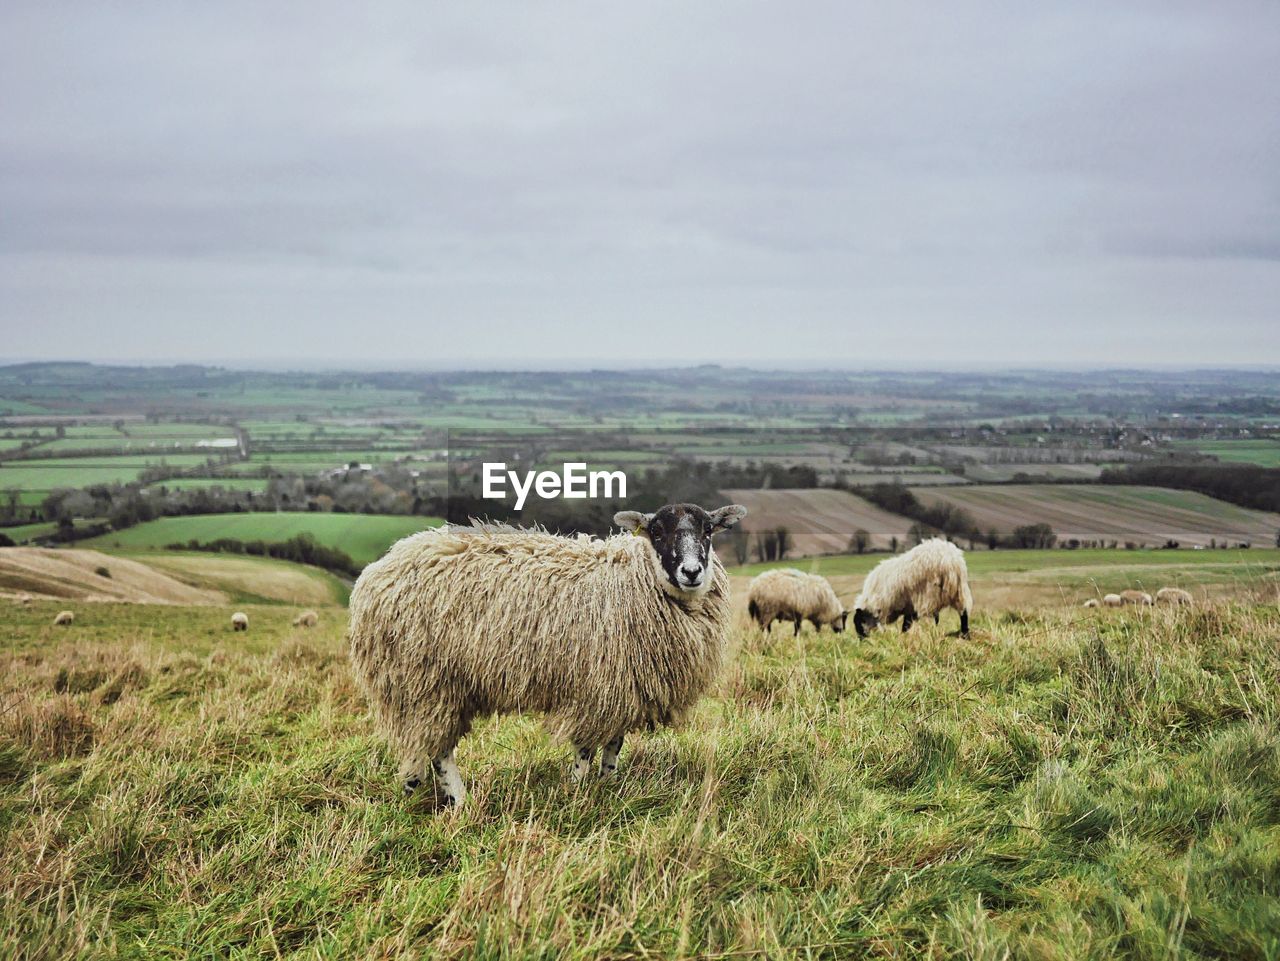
[(582, 761), (609, 756), (450, 779), (964, 623), (908, 619), (937, 616), (411, 772), (799, 621)]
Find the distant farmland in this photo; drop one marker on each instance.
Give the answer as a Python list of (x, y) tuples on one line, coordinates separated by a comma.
[(1140, 515), (363, 536), (820, 521)]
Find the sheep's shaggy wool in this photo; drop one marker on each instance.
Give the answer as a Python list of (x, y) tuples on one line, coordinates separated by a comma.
[(1141, 598), (788, 594), (1112, 600), (64, 618), (239, 621), (306, 619), (927, 579), (1173, 595), (460, 622)]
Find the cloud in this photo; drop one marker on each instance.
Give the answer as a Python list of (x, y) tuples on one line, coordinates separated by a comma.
[(995, 183)]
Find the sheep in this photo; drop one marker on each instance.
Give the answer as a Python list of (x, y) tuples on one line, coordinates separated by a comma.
[(1091, 602), (1173, 595), (601, 637), (64, 618), (306, 619), (1141, 598), (787, 594), (1112, 600), (920, 583), (239, 621)]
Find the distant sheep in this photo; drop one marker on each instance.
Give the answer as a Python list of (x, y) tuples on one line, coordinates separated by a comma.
[(1173, 595), (239, 621), (922, 582), (1141, 598), (602, 637), (787, 594), (1091, 602), (1112, 600), (23, 599), (64, 618), (306, 619)]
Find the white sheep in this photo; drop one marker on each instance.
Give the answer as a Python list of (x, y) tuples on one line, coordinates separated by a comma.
[(239, 621), (1141, 598), (924, 581), (306, 619), (788, 594), (1112, 600), (1091, 602), (64, 618), (1173, 595), (602, 637)]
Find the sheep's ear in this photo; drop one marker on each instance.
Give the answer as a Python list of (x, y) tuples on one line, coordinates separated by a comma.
[(726, 517), (632, 521)]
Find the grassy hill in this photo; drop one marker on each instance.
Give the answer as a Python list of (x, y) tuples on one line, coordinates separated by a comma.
[(363, 536), (1056, 787), (1020, 579)]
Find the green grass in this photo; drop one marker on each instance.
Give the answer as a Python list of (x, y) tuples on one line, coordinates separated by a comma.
[(1264, 453), (984, 562), (362, 536), (1057, 787), (204, 483)]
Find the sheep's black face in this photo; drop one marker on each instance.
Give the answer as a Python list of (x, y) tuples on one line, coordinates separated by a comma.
[(681, 539), (864, 621), (839, 624)]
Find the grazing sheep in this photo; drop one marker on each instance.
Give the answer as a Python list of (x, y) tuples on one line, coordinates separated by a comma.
[(786, 594), (920, 583), (1091, 602), (1112, 600), (602, 637), (1173, 595), (239, 621), (1142, 598), (306, 619), (64, 618), (23, 599)]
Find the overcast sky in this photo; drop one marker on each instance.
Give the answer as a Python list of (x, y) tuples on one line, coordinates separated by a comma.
[(542, 183)]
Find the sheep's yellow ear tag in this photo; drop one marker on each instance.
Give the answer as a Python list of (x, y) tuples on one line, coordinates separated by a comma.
[(637, 531)]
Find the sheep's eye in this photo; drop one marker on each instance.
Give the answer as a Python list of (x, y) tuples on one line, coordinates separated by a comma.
[(706, 531)]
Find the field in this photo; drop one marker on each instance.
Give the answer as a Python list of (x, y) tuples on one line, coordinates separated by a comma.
[(1057, 578), (1057, 787), (820, 521), (1142, 515), (1264, 453), (362, 536)]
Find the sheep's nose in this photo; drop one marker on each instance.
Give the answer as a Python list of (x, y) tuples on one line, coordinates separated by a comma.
[(691, 573)]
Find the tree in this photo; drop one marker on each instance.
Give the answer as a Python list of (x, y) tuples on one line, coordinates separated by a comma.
[(893, 544), (740, 542), (1034, 536), (861, 540), (782, 538)]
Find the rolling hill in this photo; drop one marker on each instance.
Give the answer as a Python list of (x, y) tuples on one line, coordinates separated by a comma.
[(362, 536), (821, 521), (1141, 515)]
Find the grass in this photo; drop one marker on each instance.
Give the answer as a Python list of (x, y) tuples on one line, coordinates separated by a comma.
[(1003, 562), (362, 536), (1057, 787)]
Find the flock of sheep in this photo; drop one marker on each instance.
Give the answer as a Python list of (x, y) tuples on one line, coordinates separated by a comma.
[(601, 637), (1166, 595)]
